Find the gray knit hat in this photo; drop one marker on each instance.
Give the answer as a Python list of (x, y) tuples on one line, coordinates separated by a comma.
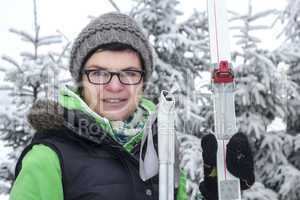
[(109, 28)]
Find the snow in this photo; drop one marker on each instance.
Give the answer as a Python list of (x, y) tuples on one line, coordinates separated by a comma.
[(277, 125), (181, 50), (3, 158), (4, 197), (4, 151)]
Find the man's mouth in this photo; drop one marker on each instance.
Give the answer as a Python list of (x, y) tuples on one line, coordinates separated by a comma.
[(114, 100), (110, 104)]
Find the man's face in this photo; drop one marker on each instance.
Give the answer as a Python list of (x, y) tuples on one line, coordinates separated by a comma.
[(114, 100)]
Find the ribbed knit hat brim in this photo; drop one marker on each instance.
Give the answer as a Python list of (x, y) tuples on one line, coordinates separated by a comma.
[(109, 28)]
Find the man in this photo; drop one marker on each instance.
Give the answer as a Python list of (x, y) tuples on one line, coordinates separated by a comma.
[(87, 144)]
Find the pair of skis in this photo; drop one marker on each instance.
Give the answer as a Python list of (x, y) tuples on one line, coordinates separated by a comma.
[(224, 111), (223, 95)]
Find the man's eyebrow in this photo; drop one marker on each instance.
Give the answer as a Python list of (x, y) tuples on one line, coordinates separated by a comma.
[(131, 68), (95, 67), (98, 67)]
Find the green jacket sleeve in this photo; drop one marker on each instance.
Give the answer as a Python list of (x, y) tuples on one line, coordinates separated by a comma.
[(182, 188), (181, 191), (40, 176)]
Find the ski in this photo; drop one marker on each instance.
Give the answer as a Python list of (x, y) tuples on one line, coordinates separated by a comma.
[(223, 95)]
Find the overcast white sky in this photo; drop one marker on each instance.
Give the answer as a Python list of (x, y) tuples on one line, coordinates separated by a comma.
[(70, 16)]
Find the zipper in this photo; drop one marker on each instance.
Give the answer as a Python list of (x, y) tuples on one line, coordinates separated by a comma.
[(124, 163), (118, 147)]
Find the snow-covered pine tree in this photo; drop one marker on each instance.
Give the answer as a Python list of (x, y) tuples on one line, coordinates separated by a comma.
[(257, 77), (191, 162), (258, 102), (181, 54), (36, 76), (289, 56)]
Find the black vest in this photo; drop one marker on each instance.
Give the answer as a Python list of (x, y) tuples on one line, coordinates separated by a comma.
[(93, 171)]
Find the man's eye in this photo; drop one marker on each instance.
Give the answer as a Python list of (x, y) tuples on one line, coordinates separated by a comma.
[(99, 73), (130, 73)]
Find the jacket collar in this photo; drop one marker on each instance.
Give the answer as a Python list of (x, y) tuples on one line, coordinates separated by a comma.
[(71, 112)]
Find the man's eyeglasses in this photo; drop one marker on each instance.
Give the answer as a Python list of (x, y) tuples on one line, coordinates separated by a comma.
[(126, 77)]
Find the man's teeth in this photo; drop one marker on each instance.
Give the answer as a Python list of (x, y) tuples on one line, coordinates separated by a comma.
[(113, 100)]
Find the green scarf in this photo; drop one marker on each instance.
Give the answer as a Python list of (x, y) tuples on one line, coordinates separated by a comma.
[(128, 133), (124, 131)]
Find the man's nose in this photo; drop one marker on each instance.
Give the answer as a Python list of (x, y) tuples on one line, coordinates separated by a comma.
[(114, 85)]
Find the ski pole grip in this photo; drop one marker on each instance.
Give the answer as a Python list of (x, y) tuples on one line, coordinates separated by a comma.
[(166, 127)]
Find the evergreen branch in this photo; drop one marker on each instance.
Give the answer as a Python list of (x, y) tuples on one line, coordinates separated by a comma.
[(36, 26), (233, 13), (259, 27), (50, 37), (254, 39), (63, 35), (60, 56), (6, 87), (240, 17), (261, 14), (262, 58), (28, 55), (48, 42), (2, 69), (65, 67), (26, 40), (36, 29), (238, 36), (65, 49), (26, 90), (20, 94), (25, 36), (256, 27), (135, 8), (46, 67), (13, 62), (51, 56)]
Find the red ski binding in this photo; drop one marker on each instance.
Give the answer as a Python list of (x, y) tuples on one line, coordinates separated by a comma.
[(223, 74)]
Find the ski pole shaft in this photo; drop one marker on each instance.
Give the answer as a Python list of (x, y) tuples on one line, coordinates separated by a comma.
[(166, 146)]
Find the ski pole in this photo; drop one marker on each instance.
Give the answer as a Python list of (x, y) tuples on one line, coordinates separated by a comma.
[(223, 96), (166, 145)]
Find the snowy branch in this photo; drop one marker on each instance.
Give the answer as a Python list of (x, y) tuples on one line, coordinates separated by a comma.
[(25, 36), (13, 62)]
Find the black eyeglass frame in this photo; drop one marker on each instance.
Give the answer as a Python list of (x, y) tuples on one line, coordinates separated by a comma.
[(88, 71)]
